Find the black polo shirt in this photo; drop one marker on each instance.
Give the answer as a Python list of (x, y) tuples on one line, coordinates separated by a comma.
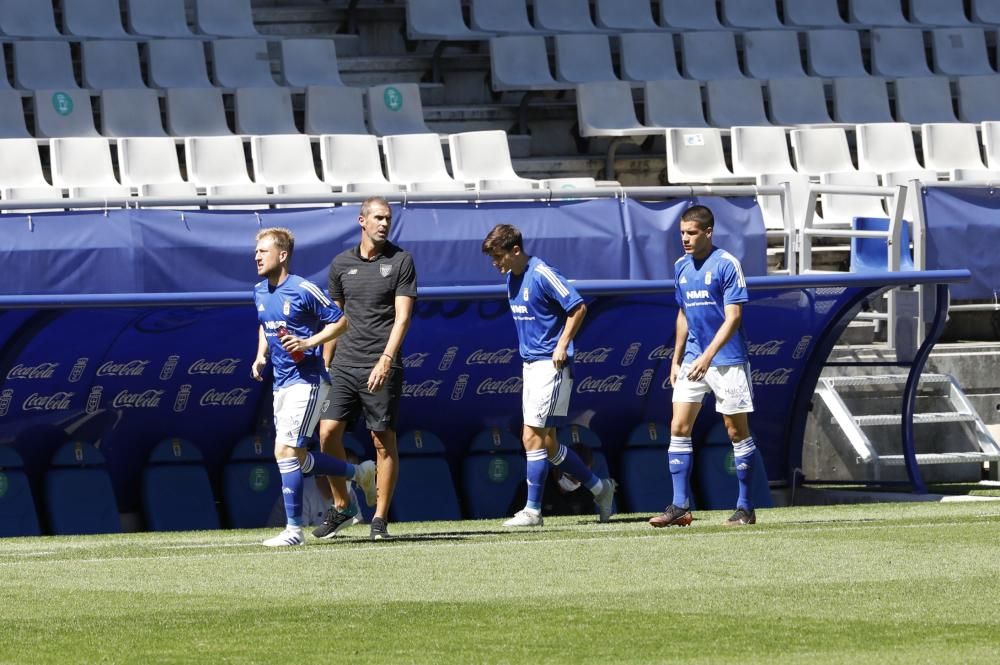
[(368, 289)]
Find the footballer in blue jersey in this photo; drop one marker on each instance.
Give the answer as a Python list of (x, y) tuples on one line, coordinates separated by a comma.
[(548, 313), (296, 319), (710, 355)]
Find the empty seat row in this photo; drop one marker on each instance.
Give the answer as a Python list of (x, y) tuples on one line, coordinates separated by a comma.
[(282, 164), (170, 63), (144, 18), (392, 109), (608, 108), (522, 62), (443, 19)]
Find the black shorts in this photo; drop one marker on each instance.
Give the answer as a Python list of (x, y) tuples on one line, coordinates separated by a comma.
[(350, 394)]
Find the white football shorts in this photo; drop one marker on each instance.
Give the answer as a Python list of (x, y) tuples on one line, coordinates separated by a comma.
[(546, 392), (729, 383), (296, 412)]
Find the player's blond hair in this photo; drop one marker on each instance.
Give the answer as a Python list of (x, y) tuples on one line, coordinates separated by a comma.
[(282, 238)]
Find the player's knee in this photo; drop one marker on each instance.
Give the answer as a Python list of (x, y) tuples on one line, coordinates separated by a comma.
[(285, 451)]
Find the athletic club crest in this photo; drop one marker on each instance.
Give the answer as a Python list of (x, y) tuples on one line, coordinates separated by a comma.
[(385, 269)]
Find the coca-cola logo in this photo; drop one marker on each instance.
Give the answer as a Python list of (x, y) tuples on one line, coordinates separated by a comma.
[(768, 348), (130, 368), (662, 352), (776, 377), (593, 356), (609, 384), (498, 357), (415, 359), (500, 386), (225, 366), (428, 388), (234, 397), (59, 401), (39, 371), (146, 399)]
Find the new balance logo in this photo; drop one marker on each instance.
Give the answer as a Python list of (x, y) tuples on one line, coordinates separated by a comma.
[(352, 271)]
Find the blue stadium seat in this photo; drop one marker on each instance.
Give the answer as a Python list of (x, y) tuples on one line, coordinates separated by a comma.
[(176, 493), (869, 254), (251, 483), (645, 475), (17, 507), (715, 474), (79, 498), (424, 490), (492, 473)]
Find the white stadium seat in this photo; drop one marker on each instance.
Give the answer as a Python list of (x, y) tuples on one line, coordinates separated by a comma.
[(352, 163), (416, 161)]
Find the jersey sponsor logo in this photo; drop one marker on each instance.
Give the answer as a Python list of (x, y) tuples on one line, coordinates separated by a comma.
[(146, 399), (662, 352), (130, 368), (776, 377), (59, 401), (594, 356), (234, 397), (507, 386), (461, 383), (519, 309), (274, 325), (225, 366), (698, 294), (385, 269), (498, 357), (415, 359), (769, 348), (609, 384), (428, 388), (39, 371)]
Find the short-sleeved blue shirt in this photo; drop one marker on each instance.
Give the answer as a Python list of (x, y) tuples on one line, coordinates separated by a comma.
[(704, 288), (303, 309), (540, 298)]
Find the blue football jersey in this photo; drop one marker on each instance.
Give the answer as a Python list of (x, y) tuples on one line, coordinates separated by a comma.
[(539, 299), (704, 288), (303, 309)]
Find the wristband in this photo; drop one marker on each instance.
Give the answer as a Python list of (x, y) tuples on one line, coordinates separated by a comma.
[(386, 355)]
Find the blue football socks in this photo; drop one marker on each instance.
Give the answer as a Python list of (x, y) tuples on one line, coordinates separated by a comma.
[(743, 452), (538, 469), (291, 489), (321, 464), (679, 457), (569, 462)]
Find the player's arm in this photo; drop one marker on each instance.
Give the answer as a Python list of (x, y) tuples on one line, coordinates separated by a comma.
[(680, 341), (734, 317), (327, 333), (574, 319), (330, 348), (400, 326), (257, 370)]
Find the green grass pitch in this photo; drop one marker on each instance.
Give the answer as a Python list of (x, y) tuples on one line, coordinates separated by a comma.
[(885, 583)]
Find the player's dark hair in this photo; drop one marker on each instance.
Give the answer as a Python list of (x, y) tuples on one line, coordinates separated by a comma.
[(700, 214), (503, 238), (371, 201)]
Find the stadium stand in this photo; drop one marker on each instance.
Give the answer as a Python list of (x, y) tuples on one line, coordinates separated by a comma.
[(264, 111), (396, 109), (877, 13), (564, 16), (840, 209), (501, 17), (606, 108), (772, 54), (21, 168), (583, 58), (625, 15), (108, 64), (646, 485), (352, 163), (871, 254), (797, 101), (735, 102), (176, 63), (439, 20), (977, 97), (647, 56), (241, 63), (938, 12), (861, 100), (990, 132), (710, 55), (285, 159), (426, 491), (948, 146), (196, 112), (820, 150), (83, 166), (750, 14), (481, 160), (696, 155), (986, 12), (63, 113), (157, 18), (758, 150), (492, 471), (924, 100), (673, 104), (960, 52), (17, 506), (686, 15), (28, 18), (12, 121), (43, 65), (894, 178), (92, 19), (813, 14), (251, 483), (416, 161), (899, 53), (834, 54), (521, 62), (151, 166), (334, 110), (176, 493), (224, 18), (306, 62), (216, 160), (78, 496), (884, 147), (130, 112), (770, 206)]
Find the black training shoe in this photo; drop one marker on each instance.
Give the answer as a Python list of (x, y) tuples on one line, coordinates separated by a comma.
[(334, 521), (741, 518), (380, 530), (671, 516)]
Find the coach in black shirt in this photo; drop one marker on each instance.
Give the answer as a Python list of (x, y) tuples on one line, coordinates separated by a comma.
[(375, 284)]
